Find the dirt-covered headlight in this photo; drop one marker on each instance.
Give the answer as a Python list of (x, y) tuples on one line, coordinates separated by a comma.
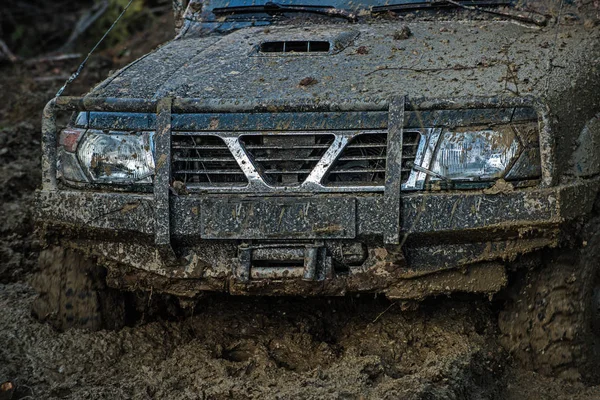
[(117, 158), (487, 154)]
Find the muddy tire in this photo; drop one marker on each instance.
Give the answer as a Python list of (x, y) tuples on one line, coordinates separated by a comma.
[(551, 322), (72, 293)]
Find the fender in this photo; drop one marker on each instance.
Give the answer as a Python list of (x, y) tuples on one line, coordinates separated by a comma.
[(586, 157)]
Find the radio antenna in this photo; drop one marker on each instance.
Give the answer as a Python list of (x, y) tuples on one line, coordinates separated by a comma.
[(82, 65)]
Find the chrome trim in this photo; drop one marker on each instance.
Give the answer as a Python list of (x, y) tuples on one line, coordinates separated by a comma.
[(427, 145)]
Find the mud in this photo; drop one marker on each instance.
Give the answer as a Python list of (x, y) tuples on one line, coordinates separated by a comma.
[(238, 348), (260, 348), (19, 176), (233, 347)]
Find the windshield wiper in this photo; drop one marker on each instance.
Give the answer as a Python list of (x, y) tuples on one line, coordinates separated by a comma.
[(472, 5), (271, 8), (409, 5)]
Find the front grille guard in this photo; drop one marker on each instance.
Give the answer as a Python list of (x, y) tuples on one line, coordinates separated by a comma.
[(165, 107)]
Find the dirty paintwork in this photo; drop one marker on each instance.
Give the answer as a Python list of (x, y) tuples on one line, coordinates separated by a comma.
[(269, 219)]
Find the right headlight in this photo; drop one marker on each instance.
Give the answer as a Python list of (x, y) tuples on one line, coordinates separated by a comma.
[(117, 158)]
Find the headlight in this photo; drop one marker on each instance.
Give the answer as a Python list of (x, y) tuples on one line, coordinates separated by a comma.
[(117, 158), (487, 154)]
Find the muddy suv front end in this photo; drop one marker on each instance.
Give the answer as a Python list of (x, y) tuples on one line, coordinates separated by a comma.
[(185, 196)]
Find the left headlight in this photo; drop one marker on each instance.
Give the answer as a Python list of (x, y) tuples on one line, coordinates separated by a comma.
[(475, 155), (117, 158), (488, 154)]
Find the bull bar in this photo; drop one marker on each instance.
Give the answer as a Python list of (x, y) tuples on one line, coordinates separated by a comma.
[(165, 107)]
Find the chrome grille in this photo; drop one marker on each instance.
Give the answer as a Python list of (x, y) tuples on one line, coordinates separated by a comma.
[(363, 161), (295, 162), (285, 159), (205, 160)]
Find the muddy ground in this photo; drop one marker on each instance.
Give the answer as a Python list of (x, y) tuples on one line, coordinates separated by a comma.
[(274, 348)]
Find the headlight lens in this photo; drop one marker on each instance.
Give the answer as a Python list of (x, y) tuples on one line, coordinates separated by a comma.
[(475, 155), (117, 158)]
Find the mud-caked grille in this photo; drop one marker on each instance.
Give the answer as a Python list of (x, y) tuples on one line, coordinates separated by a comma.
[(363, 161), (205, 160), (285, 159)]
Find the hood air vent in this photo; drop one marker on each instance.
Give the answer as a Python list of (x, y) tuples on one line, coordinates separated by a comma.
[(302, 42), (295, 46)]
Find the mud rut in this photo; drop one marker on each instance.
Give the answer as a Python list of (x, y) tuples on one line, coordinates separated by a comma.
[(234, 347), (262, 348)]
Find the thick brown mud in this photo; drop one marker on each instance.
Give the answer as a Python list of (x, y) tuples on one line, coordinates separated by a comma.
[(260, 348)]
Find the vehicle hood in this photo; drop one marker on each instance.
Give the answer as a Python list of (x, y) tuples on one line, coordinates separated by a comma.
[(370, 62)]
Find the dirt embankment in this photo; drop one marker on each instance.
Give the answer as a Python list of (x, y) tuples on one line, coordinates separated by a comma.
[(347, 348)]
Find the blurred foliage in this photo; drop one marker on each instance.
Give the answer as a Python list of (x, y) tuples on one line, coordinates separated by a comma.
[(137, 18), (34, 27)]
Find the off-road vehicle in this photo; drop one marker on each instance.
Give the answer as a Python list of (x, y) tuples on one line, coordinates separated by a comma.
[(320, 149)]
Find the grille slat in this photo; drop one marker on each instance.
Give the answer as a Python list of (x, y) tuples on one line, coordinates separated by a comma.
[(358, 171), (360, 146), (290, 172), (211, 172), (363, 161), (205, 160), (362, 158), (203, 148), (266, 147), (266, 159), (366, 146)]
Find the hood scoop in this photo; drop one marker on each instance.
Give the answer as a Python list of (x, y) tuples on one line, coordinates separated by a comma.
[(303, 43)]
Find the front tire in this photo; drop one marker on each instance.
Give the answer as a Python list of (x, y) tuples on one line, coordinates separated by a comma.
[(73, 292), (551, 324)]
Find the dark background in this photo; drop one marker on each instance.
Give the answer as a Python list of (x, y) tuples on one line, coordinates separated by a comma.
[(40, 47)]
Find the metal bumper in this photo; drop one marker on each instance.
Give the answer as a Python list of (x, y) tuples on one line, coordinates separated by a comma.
[(445, 216), (443, 234), (430, 214)]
